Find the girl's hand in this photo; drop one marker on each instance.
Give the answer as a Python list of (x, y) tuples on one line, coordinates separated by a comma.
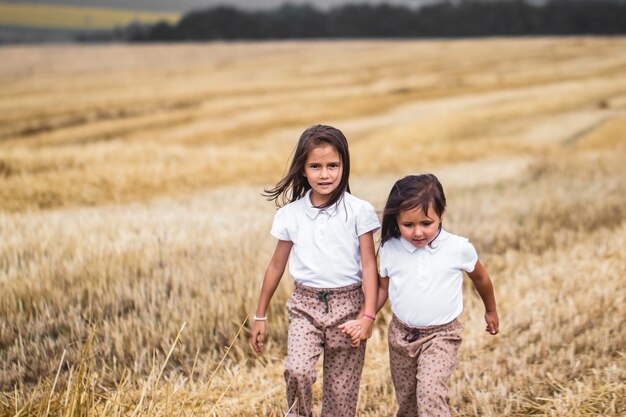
[(352, 328), (367, 325), (257, 335), (493, 322)]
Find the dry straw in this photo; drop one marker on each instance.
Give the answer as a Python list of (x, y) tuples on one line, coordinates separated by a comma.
[(133, 236)]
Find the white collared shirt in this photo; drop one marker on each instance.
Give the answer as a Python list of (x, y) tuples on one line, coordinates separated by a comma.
[(426, 285), (325, 252)]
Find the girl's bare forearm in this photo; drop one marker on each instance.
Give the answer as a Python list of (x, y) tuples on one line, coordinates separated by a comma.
[(484, 286), (383, 293), (273, 275), (370, 274)]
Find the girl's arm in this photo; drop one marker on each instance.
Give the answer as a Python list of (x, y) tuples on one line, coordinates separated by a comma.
[(353, 327), (370, 282), (361, 328), (484, 286), (272, 277), (383, 292)]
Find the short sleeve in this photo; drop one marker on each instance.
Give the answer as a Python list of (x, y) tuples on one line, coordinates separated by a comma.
[(382, 262), (366, 219), (468, 256), (280, 225)]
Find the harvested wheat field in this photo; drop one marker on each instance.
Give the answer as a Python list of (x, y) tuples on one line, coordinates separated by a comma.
[(133, 236)]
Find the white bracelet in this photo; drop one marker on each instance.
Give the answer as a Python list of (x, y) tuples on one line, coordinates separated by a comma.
[(259, 318)]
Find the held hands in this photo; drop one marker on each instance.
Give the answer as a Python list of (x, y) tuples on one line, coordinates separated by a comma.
[(358, 329), (493, 322), (257, 335)]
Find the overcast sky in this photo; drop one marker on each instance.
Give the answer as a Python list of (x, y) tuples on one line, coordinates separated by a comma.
[(186, 5)]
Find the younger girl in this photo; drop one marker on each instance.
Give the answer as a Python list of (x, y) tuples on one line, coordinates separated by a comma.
[(326, 233), (421, 268)]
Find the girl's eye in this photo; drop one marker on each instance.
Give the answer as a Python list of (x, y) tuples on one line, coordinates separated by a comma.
[(333, 165)]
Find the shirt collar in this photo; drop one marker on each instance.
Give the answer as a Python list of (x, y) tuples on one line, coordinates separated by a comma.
[(313, 211), (432, 247)]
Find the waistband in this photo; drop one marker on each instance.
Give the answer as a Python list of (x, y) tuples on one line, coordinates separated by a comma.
[(454, 324), (303, 289)]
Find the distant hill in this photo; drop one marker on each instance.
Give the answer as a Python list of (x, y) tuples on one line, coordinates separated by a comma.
[(444, 19), (36, 21), (181, 6), (65, 20)]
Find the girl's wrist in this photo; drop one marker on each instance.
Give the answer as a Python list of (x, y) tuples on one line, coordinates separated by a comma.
[(369, 316), (257, 318)]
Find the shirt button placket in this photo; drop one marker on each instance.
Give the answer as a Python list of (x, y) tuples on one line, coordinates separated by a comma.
[(420, 264), (323, 219)]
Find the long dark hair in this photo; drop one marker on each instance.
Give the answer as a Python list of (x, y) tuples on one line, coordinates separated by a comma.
[(295, 185), (408, 193)]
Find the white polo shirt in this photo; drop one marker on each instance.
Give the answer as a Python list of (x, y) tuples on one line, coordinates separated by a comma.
[(325, 252), (426, 285)]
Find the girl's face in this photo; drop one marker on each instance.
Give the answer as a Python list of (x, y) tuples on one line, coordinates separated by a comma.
[(322, 170), (418, 228)]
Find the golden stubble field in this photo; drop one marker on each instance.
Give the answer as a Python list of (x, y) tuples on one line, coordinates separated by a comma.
[(133, 236)]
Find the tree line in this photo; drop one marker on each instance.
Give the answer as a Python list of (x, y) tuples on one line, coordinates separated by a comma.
[(462, 19)]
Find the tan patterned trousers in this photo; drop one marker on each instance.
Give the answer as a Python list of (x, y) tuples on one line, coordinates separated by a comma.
[(314, 315), (421, 361)]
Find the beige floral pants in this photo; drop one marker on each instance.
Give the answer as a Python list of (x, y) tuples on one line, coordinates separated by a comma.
[(421, 361), (314, 315)]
